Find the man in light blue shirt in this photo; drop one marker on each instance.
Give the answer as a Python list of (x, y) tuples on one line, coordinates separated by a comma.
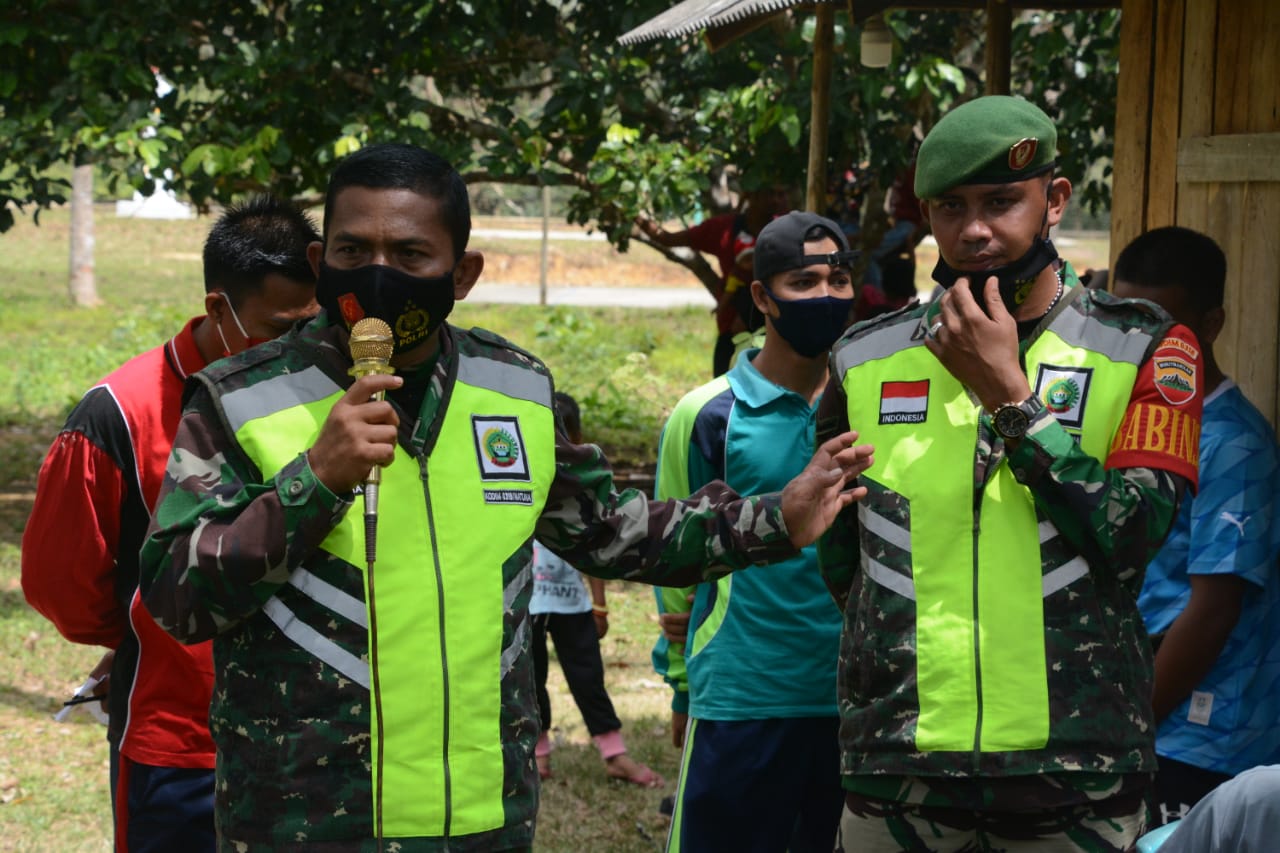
[(1211, 598)]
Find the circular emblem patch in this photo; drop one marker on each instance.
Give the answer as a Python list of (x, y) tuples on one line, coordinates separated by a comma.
[(1061, 395), (500, 447), (1022, 153), (411, 326), (1175, 372)]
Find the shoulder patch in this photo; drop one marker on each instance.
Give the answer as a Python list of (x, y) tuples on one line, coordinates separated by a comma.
[(1175, 370)]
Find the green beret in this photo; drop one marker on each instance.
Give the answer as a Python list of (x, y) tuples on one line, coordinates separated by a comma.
[(996, 139)]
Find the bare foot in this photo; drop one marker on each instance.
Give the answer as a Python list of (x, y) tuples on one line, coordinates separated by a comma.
[(623, 768)]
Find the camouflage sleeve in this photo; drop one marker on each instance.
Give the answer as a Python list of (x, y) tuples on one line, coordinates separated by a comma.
[(1117, 518), (667, 543), (221, 541)]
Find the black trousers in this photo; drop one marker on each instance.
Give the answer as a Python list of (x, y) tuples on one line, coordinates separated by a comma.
[(578, 648)]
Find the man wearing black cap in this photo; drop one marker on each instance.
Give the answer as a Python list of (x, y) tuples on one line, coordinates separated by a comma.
[(1033, 439), (754, 678)]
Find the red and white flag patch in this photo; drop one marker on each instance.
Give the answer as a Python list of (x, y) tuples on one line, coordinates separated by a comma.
[(904, 402)]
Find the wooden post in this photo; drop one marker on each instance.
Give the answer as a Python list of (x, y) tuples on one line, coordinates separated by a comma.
[(820, 113), (1129, 181), (999, 35), (81, 285)]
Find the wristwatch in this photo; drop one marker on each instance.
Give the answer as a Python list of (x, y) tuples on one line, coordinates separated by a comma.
[(1010, 420)]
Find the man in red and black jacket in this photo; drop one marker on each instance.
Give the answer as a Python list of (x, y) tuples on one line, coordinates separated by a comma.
[(93, 503), (731, 238)]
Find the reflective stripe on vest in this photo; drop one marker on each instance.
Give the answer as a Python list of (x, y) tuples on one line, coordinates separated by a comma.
[(437, 591), (980, 653)]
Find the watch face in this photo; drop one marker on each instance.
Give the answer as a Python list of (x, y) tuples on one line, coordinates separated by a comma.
[(1010, 421)]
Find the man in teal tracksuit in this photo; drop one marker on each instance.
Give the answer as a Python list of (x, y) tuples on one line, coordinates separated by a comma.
[(756, 680)]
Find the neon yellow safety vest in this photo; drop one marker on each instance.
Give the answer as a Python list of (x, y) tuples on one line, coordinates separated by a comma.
[(976, 559), (434, 605)]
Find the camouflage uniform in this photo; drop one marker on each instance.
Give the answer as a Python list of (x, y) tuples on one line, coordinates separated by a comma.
[(1097, 659), (295, 762)]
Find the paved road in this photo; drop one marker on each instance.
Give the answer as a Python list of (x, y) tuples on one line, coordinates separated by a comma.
[(536, 234), (629, 297)]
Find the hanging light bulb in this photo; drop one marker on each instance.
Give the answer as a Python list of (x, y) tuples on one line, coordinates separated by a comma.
[(877, 43)]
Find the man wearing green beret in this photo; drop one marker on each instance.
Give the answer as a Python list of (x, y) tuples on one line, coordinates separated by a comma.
[(1033, 439)]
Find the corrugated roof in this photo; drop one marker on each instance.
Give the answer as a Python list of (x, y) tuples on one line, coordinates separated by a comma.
[(691, 16), (863, 9)]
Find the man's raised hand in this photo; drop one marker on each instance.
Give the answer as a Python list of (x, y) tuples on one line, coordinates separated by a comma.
[(811, 501)]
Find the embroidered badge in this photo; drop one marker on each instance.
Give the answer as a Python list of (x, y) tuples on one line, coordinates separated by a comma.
[(1022, 152), (499, 448), (411, 326), (904, 402), (350, 307), (1064, 391), (1175, 370), (1153, 431), (516, 497)]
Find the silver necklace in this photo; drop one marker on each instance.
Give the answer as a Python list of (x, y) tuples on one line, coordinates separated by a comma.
[(1056, 296)]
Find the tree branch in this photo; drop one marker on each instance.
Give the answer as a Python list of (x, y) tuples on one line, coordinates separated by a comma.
[(687, 258)]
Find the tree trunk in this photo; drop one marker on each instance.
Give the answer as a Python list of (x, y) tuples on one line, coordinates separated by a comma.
[(81, 286)]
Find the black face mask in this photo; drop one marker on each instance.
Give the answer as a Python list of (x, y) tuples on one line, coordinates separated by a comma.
[(412, 306), (811, 326), (1016, 279)]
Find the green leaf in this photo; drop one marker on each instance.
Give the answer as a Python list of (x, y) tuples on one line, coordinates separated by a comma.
[(619, 134), (346, 145), (790, 127), (150, 150), (201, 158)]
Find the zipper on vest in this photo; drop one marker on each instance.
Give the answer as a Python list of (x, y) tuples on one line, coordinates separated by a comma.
[(444, 654), (375, 689), (977, 624)]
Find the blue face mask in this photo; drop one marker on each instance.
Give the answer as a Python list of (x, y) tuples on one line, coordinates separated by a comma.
[(811, 326)]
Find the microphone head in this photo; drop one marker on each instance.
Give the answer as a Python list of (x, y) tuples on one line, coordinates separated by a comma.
[(371, 341)]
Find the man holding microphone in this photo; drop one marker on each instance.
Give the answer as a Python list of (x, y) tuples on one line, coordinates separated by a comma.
[(393, 702)]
